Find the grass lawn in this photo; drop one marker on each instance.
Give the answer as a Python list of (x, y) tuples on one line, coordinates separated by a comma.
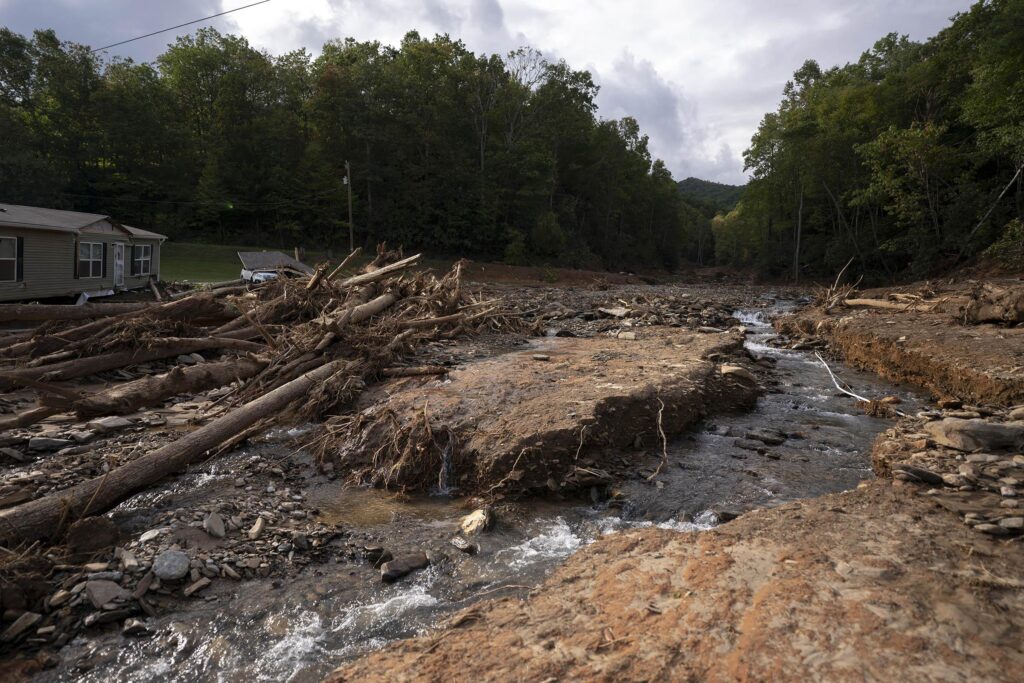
[(209, 262)]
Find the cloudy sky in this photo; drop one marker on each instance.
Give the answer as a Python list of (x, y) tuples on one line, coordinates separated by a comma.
[(697, 74)]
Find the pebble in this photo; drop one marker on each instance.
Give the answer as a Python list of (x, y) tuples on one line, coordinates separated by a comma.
[(197, 586), (257, 529), (151, 535)]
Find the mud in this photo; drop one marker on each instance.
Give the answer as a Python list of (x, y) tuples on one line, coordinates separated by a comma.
[(562, 416)]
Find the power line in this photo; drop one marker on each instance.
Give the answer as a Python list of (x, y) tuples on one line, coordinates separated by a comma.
[(187, 23)]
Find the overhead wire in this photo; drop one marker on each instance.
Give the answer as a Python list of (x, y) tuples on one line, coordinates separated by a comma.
[(187, 23)]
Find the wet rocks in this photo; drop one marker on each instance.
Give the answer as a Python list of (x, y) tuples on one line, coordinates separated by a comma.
[(739, 373), (20, 626), (197, 586), (171, 565), (402, 565), (377, 554), (464, 545), (477, 521), (768, 436), (975, 434), (135, 628)]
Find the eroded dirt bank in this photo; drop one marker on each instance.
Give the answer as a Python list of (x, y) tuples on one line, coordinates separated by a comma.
[(873, 584)]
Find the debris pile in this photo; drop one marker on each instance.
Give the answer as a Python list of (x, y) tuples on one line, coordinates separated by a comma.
[(290, 349)]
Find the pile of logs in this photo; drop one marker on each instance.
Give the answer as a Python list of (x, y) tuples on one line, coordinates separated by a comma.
[(291, 349)]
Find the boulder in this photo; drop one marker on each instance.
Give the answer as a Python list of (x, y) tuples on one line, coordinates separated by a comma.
[(976, 434), (402, 565)]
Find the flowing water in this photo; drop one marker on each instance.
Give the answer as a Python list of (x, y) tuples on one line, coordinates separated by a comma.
[(300, 628)]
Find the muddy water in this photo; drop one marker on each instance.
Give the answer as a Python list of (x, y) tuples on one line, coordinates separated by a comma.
[(298, 629)]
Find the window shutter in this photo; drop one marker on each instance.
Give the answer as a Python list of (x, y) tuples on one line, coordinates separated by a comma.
[(104, 259), (21, 260), (134, 268), (75, 271)]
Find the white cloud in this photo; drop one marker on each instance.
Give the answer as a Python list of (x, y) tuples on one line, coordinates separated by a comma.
[(698, 75)]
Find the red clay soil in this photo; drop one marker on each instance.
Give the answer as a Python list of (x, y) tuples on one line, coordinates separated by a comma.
[(549, 417), (975, 363), (871, 585)]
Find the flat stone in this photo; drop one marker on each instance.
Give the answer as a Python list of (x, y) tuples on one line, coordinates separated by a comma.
[(402, 565), (151, 535), (772, 437), (109, 424), (197, 586), (45, 443), (1014, 523), (171, 565), (628, 336), (20, 626), (464, 545), (749, 445), (135, 628), (214, 525), (975, 434), (102, 592), (59, 598), (541, 356)]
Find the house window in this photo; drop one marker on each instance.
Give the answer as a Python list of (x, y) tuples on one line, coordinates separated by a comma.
[(90, 259), (8, 259), (143, 254)]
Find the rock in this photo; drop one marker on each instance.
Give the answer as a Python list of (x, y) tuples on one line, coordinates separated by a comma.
[(740, 373), (214, 525), (92, 533), (629, 336), (82, 436), (772, 437), (128, 561), (102, 592), (992, 529), (1012, 523), (151, 535), (45, 443), (464, 545), (975, 434), (749, 445), (541, 356), (950, 403), (300, 541), (919, 474), (400, 566), (171, 565), (1008, 491), (227, 571), (1017, 413), (477, 521), (59, 598), (20, 626), (135, 628), (109, 424), (616, 312), (197, 586), (257, 529)]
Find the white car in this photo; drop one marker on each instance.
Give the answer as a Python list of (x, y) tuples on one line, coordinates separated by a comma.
[(258, 276)]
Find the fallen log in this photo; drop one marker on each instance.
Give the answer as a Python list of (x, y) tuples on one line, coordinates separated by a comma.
[(919, 307), (46, 517), (40, 312), (153, 389), (27, 417), (83, 367)]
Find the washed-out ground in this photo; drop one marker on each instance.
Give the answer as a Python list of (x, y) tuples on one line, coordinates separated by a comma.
[(841, 587)]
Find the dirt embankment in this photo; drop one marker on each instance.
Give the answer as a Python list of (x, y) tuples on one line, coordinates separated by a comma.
[(560, 417), (974, 363), (868, 585)]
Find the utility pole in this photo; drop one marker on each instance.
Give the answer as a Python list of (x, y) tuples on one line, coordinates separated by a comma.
[(351, 231)]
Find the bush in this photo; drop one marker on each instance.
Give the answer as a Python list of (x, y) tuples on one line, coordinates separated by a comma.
[(1008, 250)]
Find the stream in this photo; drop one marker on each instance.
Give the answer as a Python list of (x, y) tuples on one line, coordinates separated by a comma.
[(300, 628)]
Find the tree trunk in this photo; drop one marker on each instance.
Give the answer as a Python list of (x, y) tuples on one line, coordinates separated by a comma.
[(154, 389), (83, 367), (799, 227), (46, 517), (40, 312)]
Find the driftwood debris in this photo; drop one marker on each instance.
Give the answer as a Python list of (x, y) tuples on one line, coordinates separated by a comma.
[(288, 349)]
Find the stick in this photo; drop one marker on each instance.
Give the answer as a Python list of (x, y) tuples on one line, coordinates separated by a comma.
[(344, 263), (847, 392)]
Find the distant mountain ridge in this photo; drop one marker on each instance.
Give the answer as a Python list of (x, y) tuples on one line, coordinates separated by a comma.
[(715, 195)]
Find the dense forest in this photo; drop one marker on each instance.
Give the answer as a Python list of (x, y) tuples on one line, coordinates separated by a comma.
[(908, 161), (450, 152)]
